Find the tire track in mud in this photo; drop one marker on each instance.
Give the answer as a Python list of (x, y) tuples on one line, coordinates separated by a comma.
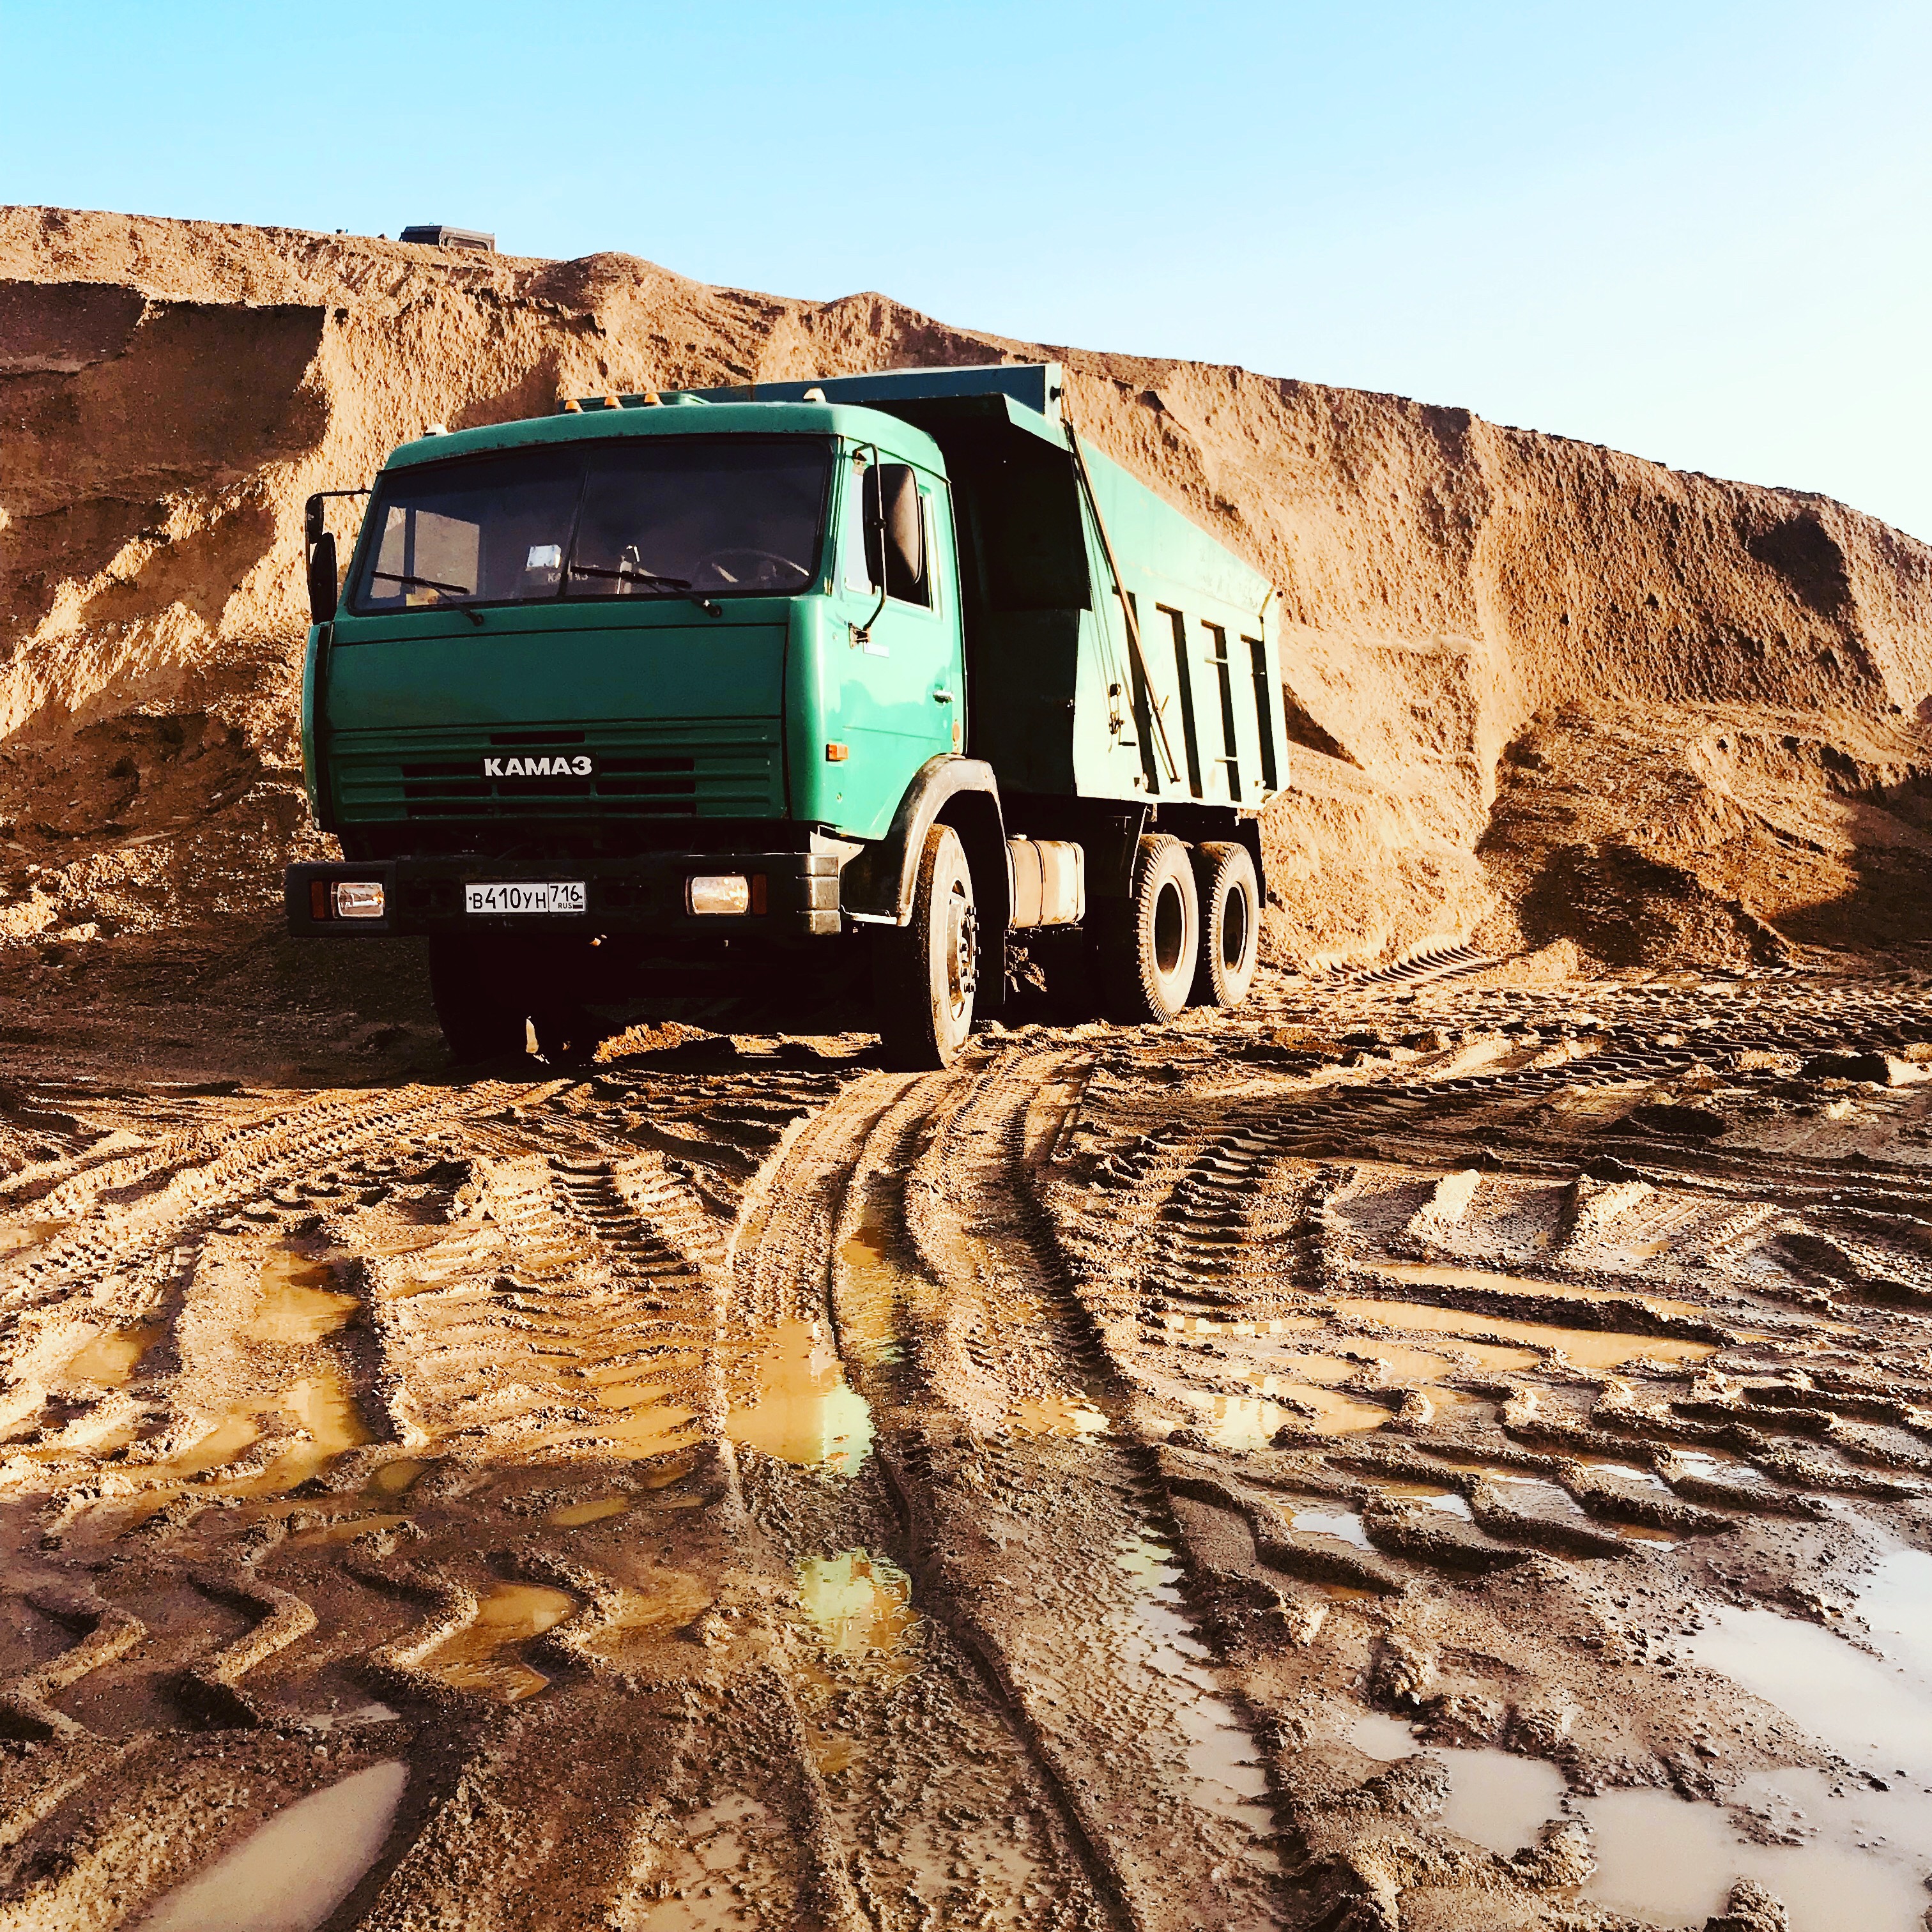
[(992, 1407), (594, 1260), (660, 1645)]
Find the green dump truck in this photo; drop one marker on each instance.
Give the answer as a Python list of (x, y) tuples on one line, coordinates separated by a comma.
[(705, 688)]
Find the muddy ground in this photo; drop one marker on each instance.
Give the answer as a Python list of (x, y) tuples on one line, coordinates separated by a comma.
[(1435, 1449)]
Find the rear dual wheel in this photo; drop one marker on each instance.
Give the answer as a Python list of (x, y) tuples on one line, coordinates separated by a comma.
[(1189, 931), (1147, 946), (1230, 926)]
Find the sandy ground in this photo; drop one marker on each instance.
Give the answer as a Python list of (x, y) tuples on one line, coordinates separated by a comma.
[(1446, 1447), (1449, 1447)]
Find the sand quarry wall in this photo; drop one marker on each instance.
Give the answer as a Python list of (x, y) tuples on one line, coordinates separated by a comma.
[(1541, 690)]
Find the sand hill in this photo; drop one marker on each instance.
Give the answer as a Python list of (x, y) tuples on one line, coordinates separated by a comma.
[(1544, 692)]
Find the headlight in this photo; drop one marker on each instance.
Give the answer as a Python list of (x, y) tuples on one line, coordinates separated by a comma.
[(719, 892), (358, 898)]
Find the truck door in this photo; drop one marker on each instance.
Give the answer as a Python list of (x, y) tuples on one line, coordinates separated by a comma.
[(901, 696)]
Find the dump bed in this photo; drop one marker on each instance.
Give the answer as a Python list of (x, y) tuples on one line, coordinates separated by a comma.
[(1064, 699)]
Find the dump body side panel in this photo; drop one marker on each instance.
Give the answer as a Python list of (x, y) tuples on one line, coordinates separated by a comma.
[(1205, 627), (1060, 703)]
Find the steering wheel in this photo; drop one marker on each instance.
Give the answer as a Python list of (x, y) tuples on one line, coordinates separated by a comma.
[(715, 561)]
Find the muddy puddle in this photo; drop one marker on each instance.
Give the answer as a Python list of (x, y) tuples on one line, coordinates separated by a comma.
[(298, 1303), (1495, 1799), (1437, 1275), (859, 1607), (869, 1306), (592, 1509), (643, 1416), (294, 1870), (109, 1360), (1587, 1347), (700, 1876), (791, 1400), (479, 1658), (1156, 1639), (1855, 1845), (22, 1235), (1674, 1863), (1062, 1415), (1875, 1710)]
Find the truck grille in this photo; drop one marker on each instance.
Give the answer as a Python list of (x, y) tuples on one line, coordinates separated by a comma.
[(686, 769)]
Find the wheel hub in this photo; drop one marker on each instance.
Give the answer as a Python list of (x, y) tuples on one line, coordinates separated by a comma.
[(965, 961)]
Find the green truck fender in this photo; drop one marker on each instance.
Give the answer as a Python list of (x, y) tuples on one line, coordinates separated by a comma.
[(877, 887)]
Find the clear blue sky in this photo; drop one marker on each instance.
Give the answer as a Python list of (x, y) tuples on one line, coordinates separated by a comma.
[(1703, 233)]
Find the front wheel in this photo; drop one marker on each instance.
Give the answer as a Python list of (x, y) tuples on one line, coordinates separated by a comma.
[(925, 973), (1230, 935)]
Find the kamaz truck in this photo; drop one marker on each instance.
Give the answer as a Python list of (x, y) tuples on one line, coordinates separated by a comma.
[(707, 688)]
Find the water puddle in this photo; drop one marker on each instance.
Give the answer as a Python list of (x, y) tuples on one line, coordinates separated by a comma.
[(642, 1418), (342, 1530), (1674, 1863), (1158, 1641), (393, 1478), (109, 1360), (1212, 1324), (1863, 1852), (1480, 1280), (1244, 1422), (1344, 1525), (1587, 1348), (592, 1509), (1525, 1492), (292, 1872), (1495, 1799), (509, 1614), (297, 1305), (868, 1308), (24, 1234), (1631, 1472), (700, 1875), (860, 1607), (1057, 1415), (1877, 1710), (799, 1406), (329, 1424), (1343, 1521)]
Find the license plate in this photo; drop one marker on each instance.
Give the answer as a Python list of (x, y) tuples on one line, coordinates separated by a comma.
[(526, 895)]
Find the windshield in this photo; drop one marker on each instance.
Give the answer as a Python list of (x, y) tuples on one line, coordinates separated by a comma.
[(662, 517)]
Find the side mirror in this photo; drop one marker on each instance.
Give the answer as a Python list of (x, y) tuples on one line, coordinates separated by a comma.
[(321, 585), (894, 531), (904, 531)]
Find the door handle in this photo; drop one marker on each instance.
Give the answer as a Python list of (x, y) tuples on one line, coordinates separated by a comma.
[(942, 697)]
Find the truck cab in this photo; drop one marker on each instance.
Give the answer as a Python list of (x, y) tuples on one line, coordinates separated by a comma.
[(691, 681)]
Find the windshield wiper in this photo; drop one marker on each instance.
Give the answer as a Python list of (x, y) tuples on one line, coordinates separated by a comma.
[(431, 583), (625, 575), (424, 583)]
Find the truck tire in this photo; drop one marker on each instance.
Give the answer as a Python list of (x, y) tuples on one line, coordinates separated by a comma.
[(1148, 948), (481, 1000), (924, 973), (1231, 937)]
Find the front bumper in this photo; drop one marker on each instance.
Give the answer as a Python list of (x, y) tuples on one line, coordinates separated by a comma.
[(644, 893)]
